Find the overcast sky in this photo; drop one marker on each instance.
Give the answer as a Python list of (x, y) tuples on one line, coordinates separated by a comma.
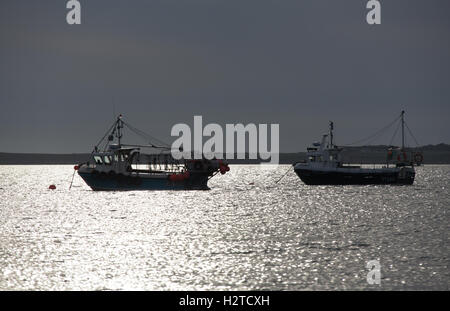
[(160, 62)]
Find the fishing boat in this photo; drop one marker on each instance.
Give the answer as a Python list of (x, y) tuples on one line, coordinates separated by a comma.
[(324, 165), (119, 166)]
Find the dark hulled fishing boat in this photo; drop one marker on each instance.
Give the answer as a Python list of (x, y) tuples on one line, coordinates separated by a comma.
[(324, 165), (124, 167)]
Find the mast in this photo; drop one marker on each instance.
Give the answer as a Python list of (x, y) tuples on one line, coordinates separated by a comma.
[(331, 134), (119, 127), (403, 130)]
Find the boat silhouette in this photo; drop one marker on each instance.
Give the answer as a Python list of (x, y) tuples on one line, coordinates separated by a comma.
[(121, 166)]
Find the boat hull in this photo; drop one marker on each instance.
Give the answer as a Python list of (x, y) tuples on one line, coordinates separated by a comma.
[(119, 182), (318, 177)]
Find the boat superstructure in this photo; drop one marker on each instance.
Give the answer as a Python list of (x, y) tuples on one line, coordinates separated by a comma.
[(121, 166), (324, 165)]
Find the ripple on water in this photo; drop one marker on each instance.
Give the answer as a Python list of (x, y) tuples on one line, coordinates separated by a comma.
[(245, 233)]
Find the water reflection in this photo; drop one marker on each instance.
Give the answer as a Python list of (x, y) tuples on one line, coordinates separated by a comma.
[(246, 233)]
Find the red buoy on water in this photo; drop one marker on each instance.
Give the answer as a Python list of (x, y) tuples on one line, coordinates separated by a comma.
[(52, 187), (224, 168)]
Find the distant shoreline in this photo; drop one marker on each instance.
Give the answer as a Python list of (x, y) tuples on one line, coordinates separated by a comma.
[(433, 154)]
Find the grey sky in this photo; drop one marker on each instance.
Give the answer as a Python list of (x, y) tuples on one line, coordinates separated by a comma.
[(296, 63)]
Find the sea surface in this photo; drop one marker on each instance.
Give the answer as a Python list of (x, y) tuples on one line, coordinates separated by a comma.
[(246, 233)]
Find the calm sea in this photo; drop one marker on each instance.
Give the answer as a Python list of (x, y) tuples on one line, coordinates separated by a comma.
[(247, 233)]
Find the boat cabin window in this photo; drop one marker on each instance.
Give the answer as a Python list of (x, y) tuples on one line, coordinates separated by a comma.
[(98, 160), (107, 160), (116, 158)]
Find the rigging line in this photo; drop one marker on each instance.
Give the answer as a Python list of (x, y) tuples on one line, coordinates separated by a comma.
[(139, 133), (395, 133), (410, 133), (109, 130), (376, 133), (375, 138), (105, 144), (143, 134), (283, 175), (73, 175), (146, 146)]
